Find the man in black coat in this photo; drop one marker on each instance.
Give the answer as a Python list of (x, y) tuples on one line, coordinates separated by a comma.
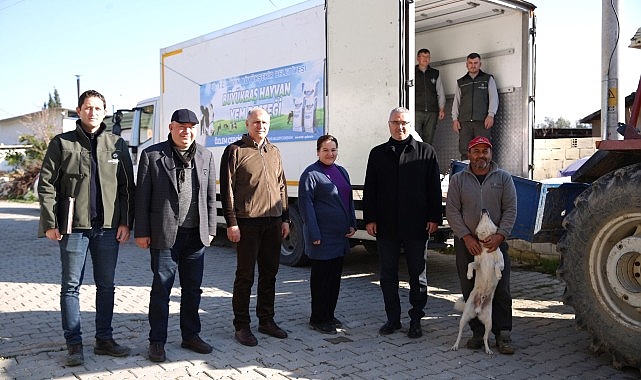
[(176, 220), (401, 207)]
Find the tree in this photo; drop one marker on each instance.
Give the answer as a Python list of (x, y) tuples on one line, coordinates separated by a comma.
[(550, 123), (56, 98), (54, 102), (563, 123), (44, 125)]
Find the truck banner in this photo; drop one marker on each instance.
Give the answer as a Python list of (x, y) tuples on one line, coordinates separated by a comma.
[(293, 95)]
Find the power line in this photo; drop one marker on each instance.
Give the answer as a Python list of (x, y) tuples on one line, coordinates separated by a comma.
[(11, 5), (2, 110)]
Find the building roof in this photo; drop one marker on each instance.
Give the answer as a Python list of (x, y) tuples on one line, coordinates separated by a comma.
[(597, 114), (66, 112)]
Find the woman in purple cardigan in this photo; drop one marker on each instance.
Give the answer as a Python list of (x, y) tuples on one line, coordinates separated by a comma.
[(327, 208)]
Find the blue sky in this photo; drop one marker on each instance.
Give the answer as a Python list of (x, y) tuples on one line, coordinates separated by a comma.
[(114, 46), (569, 56)]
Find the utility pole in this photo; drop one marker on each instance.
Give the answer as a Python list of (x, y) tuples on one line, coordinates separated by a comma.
[(78, 84), (609, 70)]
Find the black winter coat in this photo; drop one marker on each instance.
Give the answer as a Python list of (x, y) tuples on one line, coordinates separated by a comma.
[(402, 194)]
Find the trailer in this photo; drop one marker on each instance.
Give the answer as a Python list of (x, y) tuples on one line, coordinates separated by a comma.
[(339, 67)]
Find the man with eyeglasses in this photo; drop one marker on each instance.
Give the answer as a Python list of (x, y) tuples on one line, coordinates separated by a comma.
[(401, 207)]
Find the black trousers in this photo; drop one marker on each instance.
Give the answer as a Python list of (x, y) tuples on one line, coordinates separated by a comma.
[(389, 251), (325, 284), (188, 257), (502, 302), (260, 240)]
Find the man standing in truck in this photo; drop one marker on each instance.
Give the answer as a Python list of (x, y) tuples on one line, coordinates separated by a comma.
[(253, 193), (476, 101), (429, 97), (482, 185), (401, 207)]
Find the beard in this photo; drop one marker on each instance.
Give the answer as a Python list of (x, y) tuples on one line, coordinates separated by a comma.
[(480, 164)]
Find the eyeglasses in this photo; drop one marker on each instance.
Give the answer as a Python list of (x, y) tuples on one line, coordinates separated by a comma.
[(399, 122)]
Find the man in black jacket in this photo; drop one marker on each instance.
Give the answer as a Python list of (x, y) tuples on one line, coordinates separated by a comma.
[(401, 207)]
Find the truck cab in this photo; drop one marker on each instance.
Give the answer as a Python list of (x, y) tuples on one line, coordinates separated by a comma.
[(137, 126)]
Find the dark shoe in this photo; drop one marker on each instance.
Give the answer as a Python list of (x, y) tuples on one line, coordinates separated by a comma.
[(415, 330), (197, 345), (504, 343), (337, 323), (156, 352), (109, 347), (389, 327), (475, 342), (325, 328), (74, 355), (272, 329), (245, 337)]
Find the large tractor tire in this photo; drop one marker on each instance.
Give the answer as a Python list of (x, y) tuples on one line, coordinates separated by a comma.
[(292, 251), (601, 264)]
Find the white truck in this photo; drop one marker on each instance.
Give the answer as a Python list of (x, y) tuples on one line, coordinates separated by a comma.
[(339, 67)]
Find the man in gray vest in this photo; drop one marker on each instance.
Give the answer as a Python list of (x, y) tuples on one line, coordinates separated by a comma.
[(476, 101), (429, 98)]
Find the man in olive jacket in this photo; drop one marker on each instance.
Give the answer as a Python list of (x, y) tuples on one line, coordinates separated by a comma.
[(92, 168), (401, 207)]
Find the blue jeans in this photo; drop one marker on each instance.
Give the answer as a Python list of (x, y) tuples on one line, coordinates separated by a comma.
[(103, 246), (187, 255), (389, 251)]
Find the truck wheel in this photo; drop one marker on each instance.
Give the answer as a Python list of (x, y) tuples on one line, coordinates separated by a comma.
[(601, 264), (292, 251)]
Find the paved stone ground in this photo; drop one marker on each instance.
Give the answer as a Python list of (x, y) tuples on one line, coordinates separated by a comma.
[(32, 347)]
